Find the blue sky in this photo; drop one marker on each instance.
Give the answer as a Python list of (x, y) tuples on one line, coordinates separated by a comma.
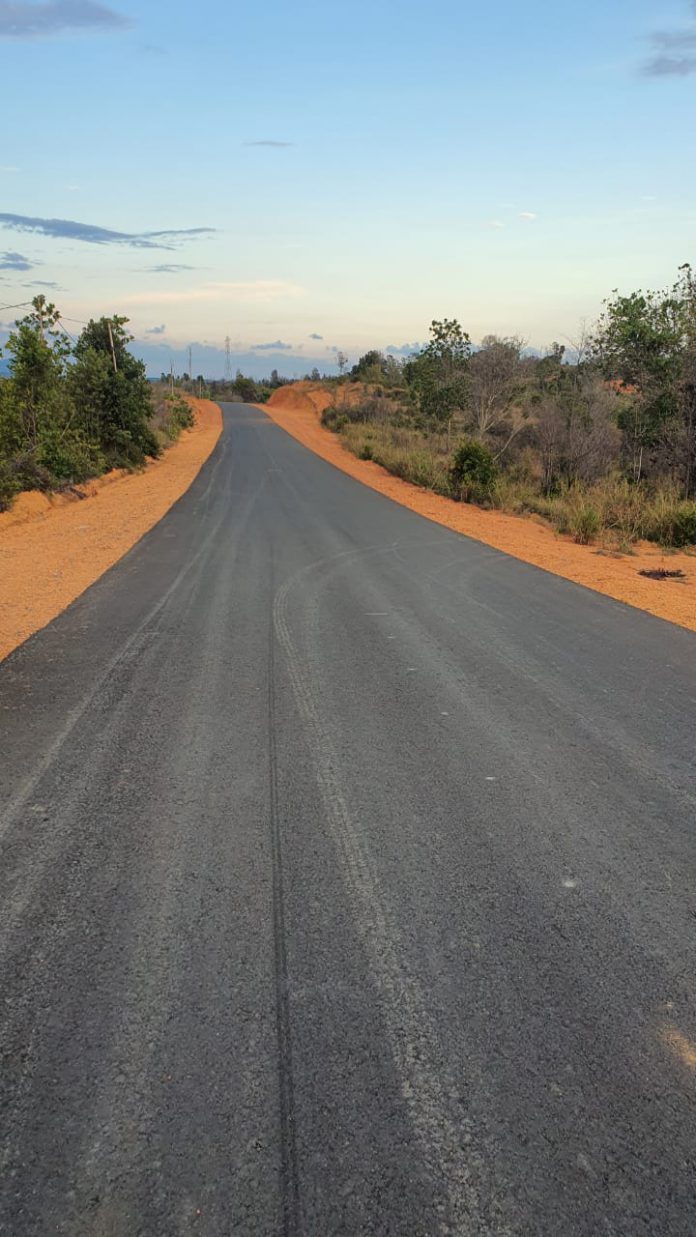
[(361, 170)]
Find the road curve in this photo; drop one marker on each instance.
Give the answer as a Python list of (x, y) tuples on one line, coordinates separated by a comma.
[(346, 884)]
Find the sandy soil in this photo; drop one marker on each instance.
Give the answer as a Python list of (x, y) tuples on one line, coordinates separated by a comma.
[(297, 410), (51, 549)]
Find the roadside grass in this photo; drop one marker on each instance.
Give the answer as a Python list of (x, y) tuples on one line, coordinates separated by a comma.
[(613, 513)]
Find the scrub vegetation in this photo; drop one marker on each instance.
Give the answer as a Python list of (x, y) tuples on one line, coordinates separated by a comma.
[(601, 443)]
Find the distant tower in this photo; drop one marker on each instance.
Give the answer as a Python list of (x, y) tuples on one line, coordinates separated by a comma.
[(228, 359)]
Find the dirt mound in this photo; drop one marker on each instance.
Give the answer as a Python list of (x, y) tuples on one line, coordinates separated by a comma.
[(301, 397), (315, 397), (53, 547)]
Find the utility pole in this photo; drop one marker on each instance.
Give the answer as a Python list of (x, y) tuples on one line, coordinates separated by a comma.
[(171, 377), (228, 359), (111, 342), (190, 368)]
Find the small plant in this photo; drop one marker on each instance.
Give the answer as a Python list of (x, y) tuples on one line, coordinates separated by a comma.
[(334, 419), (473, 471), (584, 524)]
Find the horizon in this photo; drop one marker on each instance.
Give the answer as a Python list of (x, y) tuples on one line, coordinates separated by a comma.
[(327, 190)]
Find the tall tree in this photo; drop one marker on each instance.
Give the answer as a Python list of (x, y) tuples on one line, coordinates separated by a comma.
[(111, 389), (439, 372)]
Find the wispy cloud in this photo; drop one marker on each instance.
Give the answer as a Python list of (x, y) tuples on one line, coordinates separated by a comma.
[(674, 53), (41, 283), (38, 21), (8, 167), (528, 215), (495, 225), (270, 142), (669, 66), (170, 268), (69, 229), (315, 336), (10, 261), (674, 39), (156, 330), (260, 290), (276, 346)]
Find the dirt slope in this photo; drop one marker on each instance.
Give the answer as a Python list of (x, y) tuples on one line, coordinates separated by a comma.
[(297, 409), (51, 549)]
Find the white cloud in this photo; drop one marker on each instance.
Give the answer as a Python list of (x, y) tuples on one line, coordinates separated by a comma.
[(528, 215), (495, 224)]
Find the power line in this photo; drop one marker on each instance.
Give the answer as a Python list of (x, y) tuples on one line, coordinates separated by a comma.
[(21, 305)]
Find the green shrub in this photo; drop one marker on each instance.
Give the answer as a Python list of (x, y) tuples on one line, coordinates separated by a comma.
[(473, 471), (672, 524), (584, 524), (179, 416), (334, 419), (68, 456)]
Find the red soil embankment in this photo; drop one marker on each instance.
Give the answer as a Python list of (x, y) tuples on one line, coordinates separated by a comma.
[(53, 547), (297, 409)]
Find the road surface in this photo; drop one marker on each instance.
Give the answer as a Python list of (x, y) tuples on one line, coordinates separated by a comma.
[(346, 885)]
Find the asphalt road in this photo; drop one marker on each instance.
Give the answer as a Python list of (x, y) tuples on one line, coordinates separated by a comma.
[(346, 884)]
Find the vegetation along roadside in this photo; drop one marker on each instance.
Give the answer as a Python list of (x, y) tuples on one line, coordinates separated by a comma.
[(71, 410), (598, 440)]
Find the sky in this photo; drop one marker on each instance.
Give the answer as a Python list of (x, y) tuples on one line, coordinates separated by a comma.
[(312, 177)]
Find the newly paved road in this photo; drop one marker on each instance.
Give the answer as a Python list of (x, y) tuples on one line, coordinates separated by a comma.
[(346, 884)]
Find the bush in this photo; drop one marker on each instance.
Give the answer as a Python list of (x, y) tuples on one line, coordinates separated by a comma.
[(473, 471), (179, 416), (584, 524), (68, 457), (672, 524), (334, 419)]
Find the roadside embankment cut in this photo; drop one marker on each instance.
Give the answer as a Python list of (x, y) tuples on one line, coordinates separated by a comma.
[(297, 409), (53, 547)]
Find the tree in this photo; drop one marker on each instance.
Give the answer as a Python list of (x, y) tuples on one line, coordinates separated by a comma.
[(341, 361), (370, 367), (110, 388), (39, 351), (439, 372), (495, 383), (637, 343)]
